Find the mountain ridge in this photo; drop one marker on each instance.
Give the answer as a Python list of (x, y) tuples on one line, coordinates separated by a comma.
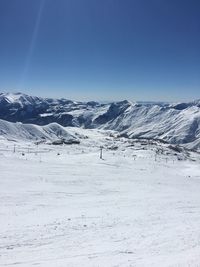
[(177, 123)]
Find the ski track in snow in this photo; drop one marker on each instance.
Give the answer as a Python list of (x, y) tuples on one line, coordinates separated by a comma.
[(74, 209)]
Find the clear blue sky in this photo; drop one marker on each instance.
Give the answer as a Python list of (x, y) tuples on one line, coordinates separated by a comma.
[(101, 49)]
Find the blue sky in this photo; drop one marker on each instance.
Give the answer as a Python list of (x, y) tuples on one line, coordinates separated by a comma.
[(101, 49)]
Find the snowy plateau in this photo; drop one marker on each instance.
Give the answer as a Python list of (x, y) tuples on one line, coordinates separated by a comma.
[(61, 205)]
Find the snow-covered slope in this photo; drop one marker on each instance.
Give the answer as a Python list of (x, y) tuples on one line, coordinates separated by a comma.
[(158, 122), (174, 123), (64, 206), (29, 132)]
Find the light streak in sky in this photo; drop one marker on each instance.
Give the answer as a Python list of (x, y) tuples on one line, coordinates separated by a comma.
[(32, 43)]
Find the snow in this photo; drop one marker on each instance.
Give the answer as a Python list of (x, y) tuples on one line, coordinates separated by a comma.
[(169, 124), (19, 98), (19, 131), (46, 114), (63, 206), (174, 123)]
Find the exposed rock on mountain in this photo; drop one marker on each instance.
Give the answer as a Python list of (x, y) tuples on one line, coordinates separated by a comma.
[(173, 123)]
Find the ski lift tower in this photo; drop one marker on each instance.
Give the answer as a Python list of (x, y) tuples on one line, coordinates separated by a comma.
[(101, 152)]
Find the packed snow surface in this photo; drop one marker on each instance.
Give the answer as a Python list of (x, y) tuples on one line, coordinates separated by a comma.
[(64, 206)]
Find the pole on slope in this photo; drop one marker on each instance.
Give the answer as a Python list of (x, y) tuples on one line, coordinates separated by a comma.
[(101, 152)]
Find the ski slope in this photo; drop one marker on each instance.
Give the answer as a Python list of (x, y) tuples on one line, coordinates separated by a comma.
[(64, 206)]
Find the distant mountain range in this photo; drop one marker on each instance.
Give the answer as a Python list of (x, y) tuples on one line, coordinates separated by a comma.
[(174, 123)]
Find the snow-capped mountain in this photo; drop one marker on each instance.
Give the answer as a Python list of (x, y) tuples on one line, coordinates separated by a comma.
[(166, 122), (174, 123), (30, 109)]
